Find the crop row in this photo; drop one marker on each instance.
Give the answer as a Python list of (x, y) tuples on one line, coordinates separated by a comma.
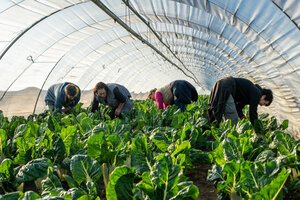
[(145, 154)]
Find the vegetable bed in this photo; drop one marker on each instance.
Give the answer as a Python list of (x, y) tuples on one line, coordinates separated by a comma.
[(147, 154)]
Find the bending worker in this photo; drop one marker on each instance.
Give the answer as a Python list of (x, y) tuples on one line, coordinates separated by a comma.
[(116, 96), (60, 95), (179, 92), (229, 96)]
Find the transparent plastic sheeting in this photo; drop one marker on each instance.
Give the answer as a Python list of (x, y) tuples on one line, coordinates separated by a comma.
[(43, 42)]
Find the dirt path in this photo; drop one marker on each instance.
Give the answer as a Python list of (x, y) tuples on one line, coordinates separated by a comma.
[(207, 190)]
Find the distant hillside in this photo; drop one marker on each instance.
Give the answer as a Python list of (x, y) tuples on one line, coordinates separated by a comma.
[(22, 102)]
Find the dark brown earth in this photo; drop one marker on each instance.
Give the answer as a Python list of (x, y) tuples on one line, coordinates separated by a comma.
[(292, 195), (207, 190)]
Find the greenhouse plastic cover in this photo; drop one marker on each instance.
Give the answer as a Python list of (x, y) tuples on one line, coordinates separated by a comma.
[(43, 42)]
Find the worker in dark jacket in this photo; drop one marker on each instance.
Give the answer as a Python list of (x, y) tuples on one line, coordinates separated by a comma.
[(229, 96), (60, 95), (116, 96), (179, 92)]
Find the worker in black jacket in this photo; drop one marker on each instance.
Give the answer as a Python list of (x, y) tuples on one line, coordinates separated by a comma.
[(229, 96)]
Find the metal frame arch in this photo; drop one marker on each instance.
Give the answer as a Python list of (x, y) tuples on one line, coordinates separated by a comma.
[(248, 28)]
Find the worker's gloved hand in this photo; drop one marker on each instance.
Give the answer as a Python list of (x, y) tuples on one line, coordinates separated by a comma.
[(66, 109), (243, 117)]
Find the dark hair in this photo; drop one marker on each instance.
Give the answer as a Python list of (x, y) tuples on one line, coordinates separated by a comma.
[(71, 90), (269, 95), (99, 86)]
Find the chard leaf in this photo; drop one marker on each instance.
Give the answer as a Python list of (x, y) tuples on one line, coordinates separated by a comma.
[(66, 120), (215, 173), (230, 173), (201, 122), (98, 148), (271, 168), (6, 170), (272, 124), (73, 193), (190, 133), (92, 188), (70, 181), (23, 150), (81, 116), (258, 125), (121, 184), (30, 195), (186, 131), (165, 181), (230, 150), (67, 136), (84, 197), (265, 156), (146, 185), (58, 149), (53, 125), (51, 182), (244, 127), (188, 191), (283, 142), (140, 155), (160, 140), (87, 124), (165, 176), (178, 120), (183, 147), (272, 190), (250, 176), (11, 196), (33, 169), (291, 160), (54, 197), (20, 131), (32, 130), (255, 176), (3, 139), (102, 127), (85, 169), (284, 125), (218, 155), (182, 154), (245, 146)]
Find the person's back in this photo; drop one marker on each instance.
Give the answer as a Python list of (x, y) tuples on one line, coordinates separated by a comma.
[(60, 95), (111, 98), (52, 93), (178, 92), (185, 91), (246, 92), (229, 96), (114, 95)]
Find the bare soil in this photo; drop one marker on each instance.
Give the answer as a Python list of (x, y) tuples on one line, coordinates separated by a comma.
[(207, 190), (292, 195)]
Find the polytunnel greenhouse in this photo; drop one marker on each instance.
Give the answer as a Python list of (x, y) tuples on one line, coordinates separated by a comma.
[(148, 153)]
